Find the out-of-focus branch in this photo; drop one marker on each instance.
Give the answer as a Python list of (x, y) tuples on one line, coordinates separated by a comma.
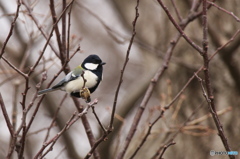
[(24, 127), (54, 118), (48, 40), (63, 44), (152, 84), (54, 18), (99, 122), (227, 53), (14, 67), (6, 117), (224, 10), (69, 123), (165, 148), (176, 10), (40, 28), (178, 27), (11, 29)]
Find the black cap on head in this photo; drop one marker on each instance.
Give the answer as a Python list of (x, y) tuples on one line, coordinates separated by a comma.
[(93, 59)]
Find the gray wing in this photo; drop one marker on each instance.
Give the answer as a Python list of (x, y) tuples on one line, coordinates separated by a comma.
[(69, 77)]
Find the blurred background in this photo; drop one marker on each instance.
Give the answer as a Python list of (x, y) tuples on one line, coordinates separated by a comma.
[(105, 28)]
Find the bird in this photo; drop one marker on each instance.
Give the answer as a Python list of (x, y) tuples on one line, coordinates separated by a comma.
[(82, 80)]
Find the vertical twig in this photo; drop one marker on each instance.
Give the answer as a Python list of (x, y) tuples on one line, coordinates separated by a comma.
[(63, 46), (56, 29), (125, 64), (118, 87), (6, 117), (210, 96), (15, 111), (69, 29)]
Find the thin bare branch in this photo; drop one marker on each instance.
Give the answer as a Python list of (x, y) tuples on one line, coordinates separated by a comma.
[(11, 29), (209, 96), (15, 68), (178, 27), (224, 10), (6, 117), (125, 64), (76, 116), (151, 86), (40, 28), (165, 148)]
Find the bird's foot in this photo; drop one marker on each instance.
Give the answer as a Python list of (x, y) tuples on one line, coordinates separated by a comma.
[(85, 94)]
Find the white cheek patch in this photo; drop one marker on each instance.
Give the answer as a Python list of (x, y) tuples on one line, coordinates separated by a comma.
[(91, 66)]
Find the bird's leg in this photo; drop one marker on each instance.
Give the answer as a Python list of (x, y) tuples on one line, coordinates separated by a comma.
[(84, 92), (84, 80)]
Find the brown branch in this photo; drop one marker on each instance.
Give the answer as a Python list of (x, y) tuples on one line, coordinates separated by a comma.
[(15, 68), (24, 116), (226, 44), (165, 148), (69, 123), (224, 10), (56, 29), (66, 70), (210, 96), (178, 27), (48, 40), (54, 139), (99, 122), (203, 118), (179, 129), (54, 117), (176, 10), (11, 29), (69, 29), (40, 28), (110, 129), (63, 44), (6, 117), (124, 65), (15, 110), (44, 78), (151, 86), (148, 133), (201, 68), (117, 90)]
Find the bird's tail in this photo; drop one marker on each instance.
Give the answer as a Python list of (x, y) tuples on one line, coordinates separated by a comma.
[(46, 91)]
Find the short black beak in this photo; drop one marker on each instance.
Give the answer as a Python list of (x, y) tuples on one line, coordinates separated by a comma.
[(103, 63)]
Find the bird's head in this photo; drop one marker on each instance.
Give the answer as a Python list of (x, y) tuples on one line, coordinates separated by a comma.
[(92, 62)]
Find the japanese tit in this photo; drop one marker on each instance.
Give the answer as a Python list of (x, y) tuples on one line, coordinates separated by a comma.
[(85, 77)]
